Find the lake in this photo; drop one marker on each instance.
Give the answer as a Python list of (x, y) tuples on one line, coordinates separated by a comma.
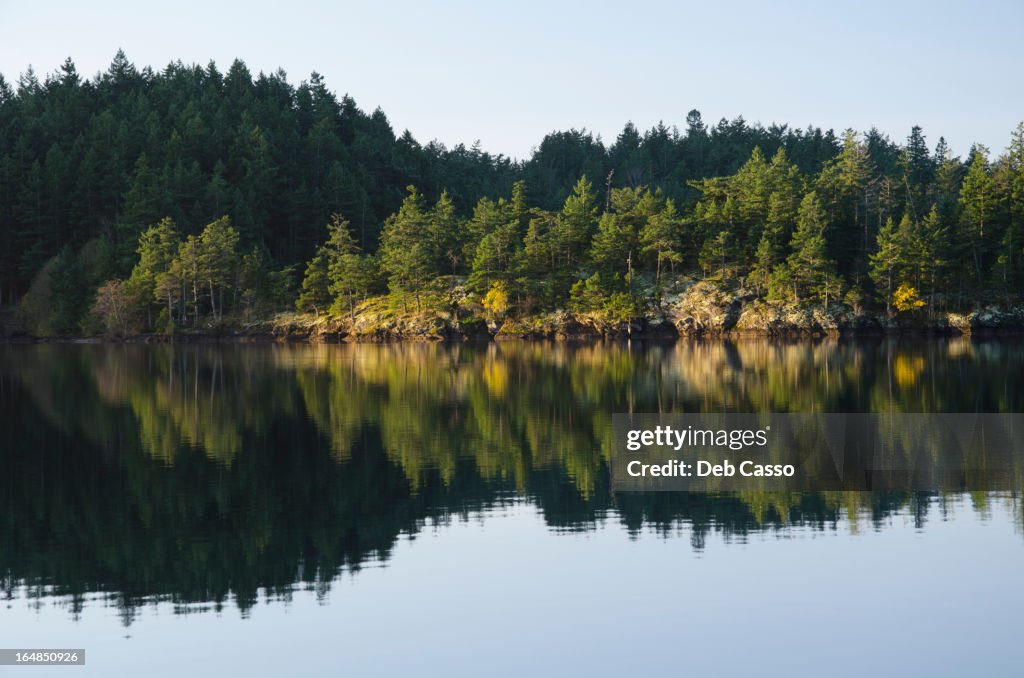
[(428, 509)]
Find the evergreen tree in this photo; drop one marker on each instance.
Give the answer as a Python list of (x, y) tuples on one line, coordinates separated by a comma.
[(576, 223), (613, 246), (157, 247), (446, 236), (494, 258), (350, 272), (976, 204), (187, 268), (889, 259), (662, 237), (537, 275), (218, 263), (67, 293), (811, 272), (935, 247), (142, 206), (407, 246), (842, 186), (918, 172), (316, 294)]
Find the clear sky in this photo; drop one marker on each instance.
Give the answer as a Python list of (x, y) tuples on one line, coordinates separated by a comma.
[(506, 73)]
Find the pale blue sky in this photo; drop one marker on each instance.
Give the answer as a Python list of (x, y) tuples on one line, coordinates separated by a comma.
[(507, 73)]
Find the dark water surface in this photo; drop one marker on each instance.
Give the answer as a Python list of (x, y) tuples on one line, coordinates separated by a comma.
[(390, 510)]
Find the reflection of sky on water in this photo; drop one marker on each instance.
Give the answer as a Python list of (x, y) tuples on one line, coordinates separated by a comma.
[(505, 595)]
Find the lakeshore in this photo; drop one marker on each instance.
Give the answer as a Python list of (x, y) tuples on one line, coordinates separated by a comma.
[(701, 310)]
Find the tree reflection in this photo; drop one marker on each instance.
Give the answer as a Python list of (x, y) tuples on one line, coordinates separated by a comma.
[(203, 474)]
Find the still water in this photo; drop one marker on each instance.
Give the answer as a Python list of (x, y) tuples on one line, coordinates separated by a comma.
[(389, 510)]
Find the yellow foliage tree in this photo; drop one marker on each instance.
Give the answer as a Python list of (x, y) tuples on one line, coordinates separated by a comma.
[(496, 300), (905, 298)]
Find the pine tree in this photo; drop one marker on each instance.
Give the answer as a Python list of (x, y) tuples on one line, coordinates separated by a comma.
[(493, 258), (67, 293), (350, 273), (842, 186), (948, 177), (315, 295), (218, 262), (157, 248), (488, 216), (576, 223), (717, 253), (888, 260), (536, 272), (771, 249), (142, 207), (976, 203), (662, 237), (813, 273), (934, 243), (407, 247), (1011, 247), (446, 235), (918, 172), (517, 205), (613, 245), (188, 269)]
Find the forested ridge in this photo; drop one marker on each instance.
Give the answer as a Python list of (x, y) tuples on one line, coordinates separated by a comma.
[(143, 200)]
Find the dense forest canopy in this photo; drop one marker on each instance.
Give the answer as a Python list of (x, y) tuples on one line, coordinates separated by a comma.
[(209, 191)]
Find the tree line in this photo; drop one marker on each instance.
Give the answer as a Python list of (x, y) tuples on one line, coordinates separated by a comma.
[(169, 198), (937, 231)]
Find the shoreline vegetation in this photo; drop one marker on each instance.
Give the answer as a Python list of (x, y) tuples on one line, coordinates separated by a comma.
[(702, 309), (186, 204)]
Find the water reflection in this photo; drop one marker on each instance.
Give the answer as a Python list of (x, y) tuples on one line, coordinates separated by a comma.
[(197, 474)]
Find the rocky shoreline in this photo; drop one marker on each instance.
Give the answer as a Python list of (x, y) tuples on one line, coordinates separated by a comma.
[(702, 310)]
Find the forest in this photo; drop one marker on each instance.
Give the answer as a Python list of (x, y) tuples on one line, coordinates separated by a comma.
[(188, 198)]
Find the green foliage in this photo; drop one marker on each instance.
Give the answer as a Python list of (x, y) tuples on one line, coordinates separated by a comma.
[(67, 290), (587, 295), (142, 205), (316, 285), (575, 226), (407, 254), (537, 273), (81, 158), (614, 244), (622, 308), (609, 298), (91, 167), (446, 237), (218, 262), (810, 273), (262, 288), (842, 187), (888, 259), (661, 237), (718, 253), (156, 249), (495, 256), (977, 204)]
